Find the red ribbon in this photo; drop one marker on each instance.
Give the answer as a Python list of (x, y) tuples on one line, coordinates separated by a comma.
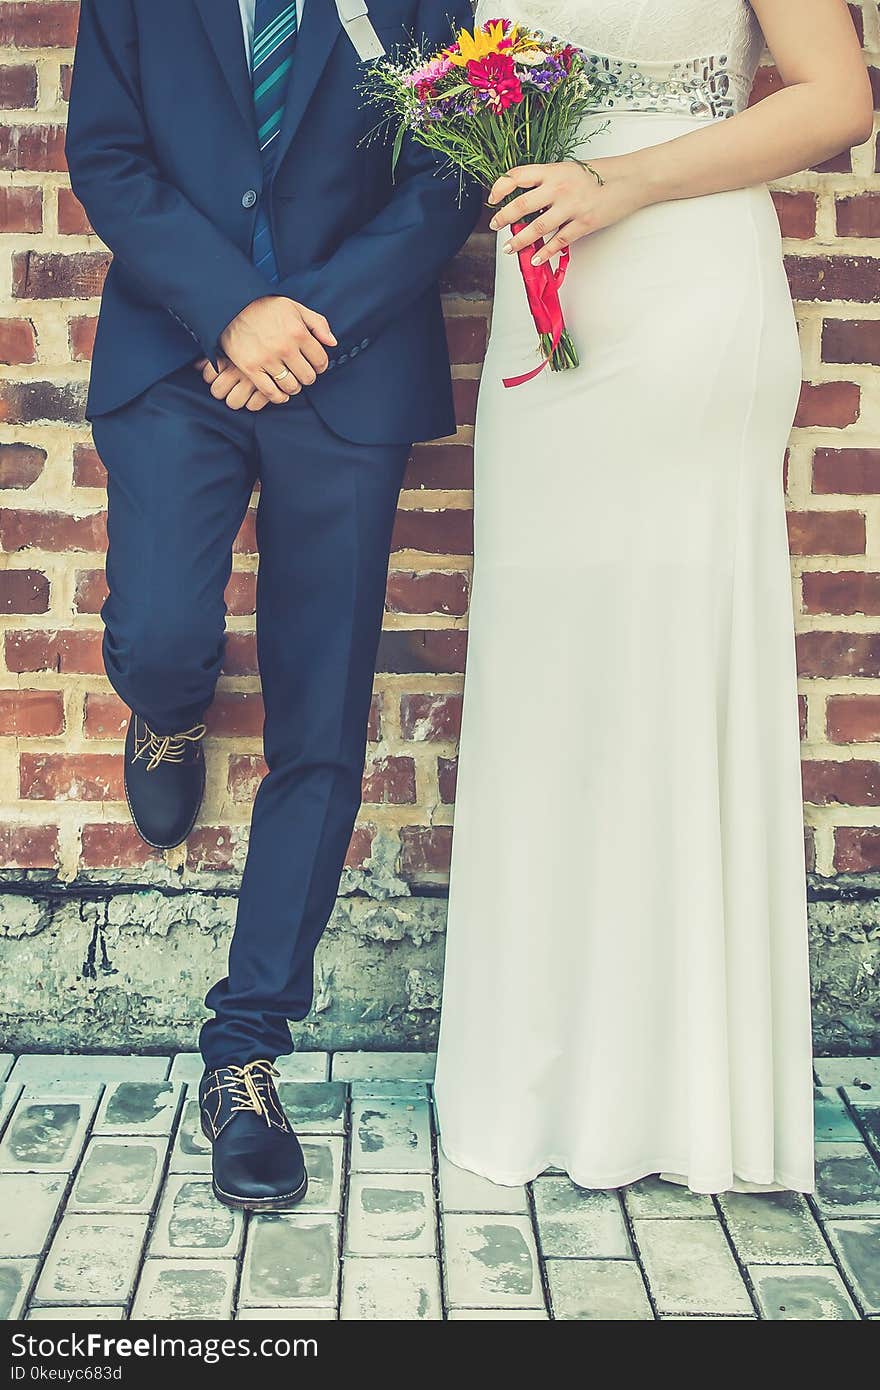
[(542, 291)]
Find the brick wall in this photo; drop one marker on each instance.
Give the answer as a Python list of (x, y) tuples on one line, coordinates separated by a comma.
[(61, 803)]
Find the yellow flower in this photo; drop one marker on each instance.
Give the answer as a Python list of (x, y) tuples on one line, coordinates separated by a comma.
[(473, 47)]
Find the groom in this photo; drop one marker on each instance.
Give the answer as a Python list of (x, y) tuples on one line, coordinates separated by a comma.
[(271, 314)]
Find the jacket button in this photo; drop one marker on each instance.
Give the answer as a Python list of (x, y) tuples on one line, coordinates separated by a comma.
[(365, 343), (248, 199)]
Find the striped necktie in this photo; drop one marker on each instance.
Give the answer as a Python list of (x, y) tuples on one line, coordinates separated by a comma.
[(274, 40)]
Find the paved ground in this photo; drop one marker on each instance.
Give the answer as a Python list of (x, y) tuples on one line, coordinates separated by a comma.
[(106, 1211)]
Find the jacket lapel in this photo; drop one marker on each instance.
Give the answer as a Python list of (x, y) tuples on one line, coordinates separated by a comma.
[(222, 21), (318, 33)]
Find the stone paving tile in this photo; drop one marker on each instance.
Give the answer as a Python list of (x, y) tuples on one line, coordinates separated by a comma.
[(389, 1066), (847, 1180), (289, 1260), (808, 1293), (191, 1223), (29, 1203), (689, 1267), (299, 1066), (93, 1259), (60, 1314), (461, 1190), (178, 1289), (6, 1061), (44, 1073), (323, 1158), (868, 1117), (652, 1197), (857, 1244), (9, 1094), (192, 1151), (393, 1215), (847, 1071), (15, 1280), (833, 1122), (576, 1223), (598, 1291), (390, 1136), (491, 1262), (773, 1228), (46, 1135), (314, 1107), (119, 1174), (391, 1290), (379, 1089), (498, 1315), (186, 1068), (286, 1315), (138, 1107)]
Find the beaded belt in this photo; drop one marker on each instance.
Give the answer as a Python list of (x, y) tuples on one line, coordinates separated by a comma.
[(696, 87)]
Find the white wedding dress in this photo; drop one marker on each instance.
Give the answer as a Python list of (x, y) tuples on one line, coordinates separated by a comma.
[(627, 984)]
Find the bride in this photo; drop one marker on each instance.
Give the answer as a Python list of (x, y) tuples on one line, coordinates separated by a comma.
[(627, 985)]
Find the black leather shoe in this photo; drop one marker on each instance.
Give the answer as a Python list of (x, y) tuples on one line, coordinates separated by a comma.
[(257, 1160), (164, 781)]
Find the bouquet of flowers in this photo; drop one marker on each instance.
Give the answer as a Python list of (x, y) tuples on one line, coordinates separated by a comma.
[(501, 96)]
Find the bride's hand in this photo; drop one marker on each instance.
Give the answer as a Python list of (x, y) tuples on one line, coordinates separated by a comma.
[(573, 200)]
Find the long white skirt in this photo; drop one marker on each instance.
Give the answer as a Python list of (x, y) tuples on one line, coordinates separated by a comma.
[(627, 986)]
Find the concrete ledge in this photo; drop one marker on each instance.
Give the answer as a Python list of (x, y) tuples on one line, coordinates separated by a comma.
[(104, 964)]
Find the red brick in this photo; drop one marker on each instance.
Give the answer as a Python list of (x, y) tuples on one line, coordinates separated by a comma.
[(211, 848), (32, 146), (425, 852), (849, 471), (75, 653), (797, 214), (114, 845), (49, 24), (246, 772), (810, 848), (235, 714), (24, 591), (802, 716), (447, 777), (464, 391), (26, 402), (18, 86), (429, 717), (241, 593), (20, 465), (858, 19), (374, 722), (18, 341), (71, 777), (31, 713), (361, 847), (246, 540), (472, 273), (436, 652), (53, 275), (21, 209), (390, 781), (833, 404), (824, 278), (90, 591), (240, 655), (466, 339), (440, 466), (72, 218), (848, 340), (88, 470), (855, 782), (28, 846), (846, 591), (427, 592), (826, 533), (66, 76), (853, 718), (54, 531), (449, 532), (858, 215), (837, 164), (105, 715), (856, 849), (82, 338), (832, 654)]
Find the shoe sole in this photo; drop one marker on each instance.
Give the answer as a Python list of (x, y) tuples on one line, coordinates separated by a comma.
[(186, 834), (262, 1203)]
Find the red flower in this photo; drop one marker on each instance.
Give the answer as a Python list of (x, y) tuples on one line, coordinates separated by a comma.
[(495, 76), (567, 55)]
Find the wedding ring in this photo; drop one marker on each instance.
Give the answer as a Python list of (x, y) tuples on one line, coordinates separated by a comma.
[(279, 376)]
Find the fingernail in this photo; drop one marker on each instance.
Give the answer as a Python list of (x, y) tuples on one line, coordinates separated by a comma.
[(508, 250), (536, 260), (494, 224)]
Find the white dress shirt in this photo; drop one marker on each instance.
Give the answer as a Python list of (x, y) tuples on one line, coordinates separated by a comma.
[(247, 22)]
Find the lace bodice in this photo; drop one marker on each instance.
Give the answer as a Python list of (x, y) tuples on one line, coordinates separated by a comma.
[(645, 43)]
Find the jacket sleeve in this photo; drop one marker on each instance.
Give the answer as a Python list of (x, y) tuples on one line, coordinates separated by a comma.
[(178, 256), (394, 258)]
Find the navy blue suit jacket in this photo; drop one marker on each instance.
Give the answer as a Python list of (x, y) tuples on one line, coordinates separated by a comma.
[(163, 155)]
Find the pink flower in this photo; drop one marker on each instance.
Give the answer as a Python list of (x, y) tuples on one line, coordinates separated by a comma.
[(495, 76)]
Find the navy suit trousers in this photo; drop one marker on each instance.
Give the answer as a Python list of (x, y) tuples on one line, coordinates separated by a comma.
[(181, 468)]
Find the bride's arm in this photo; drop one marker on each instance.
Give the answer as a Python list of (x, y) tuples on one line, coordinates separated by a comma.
[(825, 106)]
